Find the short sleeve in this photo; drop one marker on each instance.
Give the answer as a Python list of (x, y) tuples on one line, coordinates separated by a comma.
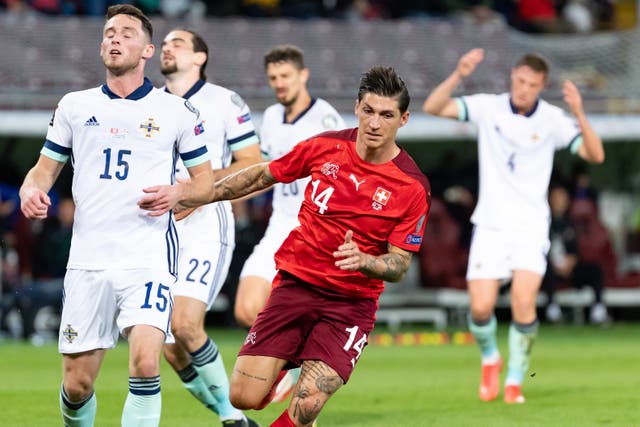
[(191, 146), (59, 138), (409, 230), (295, 164), (240, 130), (472, 108)]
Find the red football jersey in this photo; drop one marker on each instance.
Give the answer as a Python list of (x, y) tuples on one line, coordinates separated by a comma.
[(380, 203)]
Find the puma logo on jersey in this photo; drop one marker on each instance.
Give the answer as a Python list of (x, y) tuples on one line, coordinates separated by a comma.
[(353, 178)]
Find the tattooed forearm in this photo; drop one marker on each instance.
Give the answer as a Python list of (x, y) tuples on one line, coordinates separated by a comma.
[(245, 181), (390, 267)]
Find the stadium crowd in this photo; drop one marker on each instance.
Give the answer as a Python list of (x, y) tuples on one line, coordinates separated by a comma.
[(534, 16)]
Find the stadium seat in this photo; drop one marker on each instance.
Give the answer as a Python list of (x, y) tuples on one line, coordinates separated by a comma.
[(442, 257), (594, 241)]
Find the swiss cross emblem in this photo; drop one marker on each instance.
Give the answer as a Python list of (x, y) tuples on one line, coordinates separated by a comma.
[(382, 196)]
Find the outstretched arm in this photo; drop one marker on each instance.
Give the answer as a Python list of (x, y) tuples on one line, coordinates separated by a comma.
[(244, 182), (242, 158), (34, 201), (390, 267), (591, 149), (439, 102)]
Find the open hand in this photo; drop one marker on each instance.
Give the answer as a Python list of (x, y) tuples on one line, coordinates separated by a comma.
[(469, 61)]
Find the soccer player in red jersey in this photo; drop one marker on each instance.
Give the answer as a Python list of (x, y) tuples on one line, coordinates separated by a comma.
[(363, 216)]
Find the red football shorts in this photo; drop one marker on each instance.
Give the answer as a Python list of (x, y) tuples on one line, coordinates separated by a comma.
[(305, 322)]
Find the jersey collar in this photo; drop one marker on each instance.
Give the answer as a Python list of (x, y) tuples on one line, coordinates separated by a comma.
[(299, 116), (196, 87), (529, 113), (137, 94)]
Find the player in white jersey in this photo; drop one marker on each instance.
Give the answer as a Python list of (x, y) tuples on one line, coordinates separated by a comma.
[(296, 117), (122, 138), (518, 134), (206, 235)]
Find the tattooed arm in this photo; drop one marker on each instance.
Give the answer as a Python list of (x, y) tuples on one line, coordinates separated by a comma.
[(390, 267), (243, 182)]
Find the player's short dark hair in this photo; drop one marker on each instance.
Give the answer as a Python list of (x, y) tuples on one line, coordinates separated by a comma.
[(384, 81), (199, 45), (534, 61), (127, 9), (285, 53)]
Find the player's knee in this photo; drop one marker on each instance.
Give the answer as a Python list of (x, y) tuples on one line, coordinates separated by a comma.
[(78, 389), (244, 315), (241, 399), (145, 366), (481, 310)]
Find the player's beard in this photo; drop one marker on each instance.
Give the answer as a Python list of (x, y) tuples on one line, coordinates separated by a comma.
[(119, 69), (120, 65), (289, 102), (169, 69)]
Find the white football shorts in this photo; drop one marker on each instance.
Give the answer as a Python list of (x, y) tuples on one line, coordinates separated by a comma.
[(495, 253), (203, 260), (261, 263), (100, 304)]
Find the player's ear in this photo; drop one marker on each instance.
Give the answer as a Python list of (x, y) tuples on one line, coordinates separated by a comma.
[(304, 75), (148, 51), (200, 58), (355, 109), (404, 118)]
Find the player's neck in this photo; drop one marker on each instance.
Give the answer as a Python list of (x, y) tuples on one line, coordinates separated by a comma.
[(296, 108), (377, 155), (179, 84), (125, 84)]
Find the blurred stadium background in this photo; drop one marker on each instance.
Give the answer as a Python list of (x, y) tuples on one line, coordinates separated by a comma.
[(45, 55)]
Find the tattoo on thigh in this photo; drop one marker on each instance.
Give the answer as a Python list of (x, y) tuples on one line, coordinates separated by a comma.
[(248, 375)]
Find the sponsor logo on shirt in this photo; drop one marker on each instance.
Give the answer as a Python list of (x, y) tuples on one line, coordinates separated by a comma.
[(244, 118), (353, 178), (413, 239), (199, 128), (149, 127), (92, 121), (330, 169)]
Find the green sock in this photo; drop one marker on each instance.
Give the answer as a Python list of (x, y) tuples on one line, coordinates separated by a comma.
[(144, 403), (207, 362), (521, 339), (81, 414), (485, 335), (193, 382)]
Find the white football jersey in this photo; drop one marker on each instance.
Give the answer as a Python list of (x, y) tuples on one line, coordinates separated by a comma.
[(228, 127), (515, 155), (118, 147), (278, 137)]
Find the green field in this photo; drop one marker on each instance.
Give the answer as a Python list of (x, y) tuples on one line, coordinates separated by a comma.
[(580, 376)]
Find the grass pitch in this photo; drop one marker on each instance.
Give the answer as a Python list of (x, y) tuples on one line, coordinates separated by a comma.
[(579, 376)]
